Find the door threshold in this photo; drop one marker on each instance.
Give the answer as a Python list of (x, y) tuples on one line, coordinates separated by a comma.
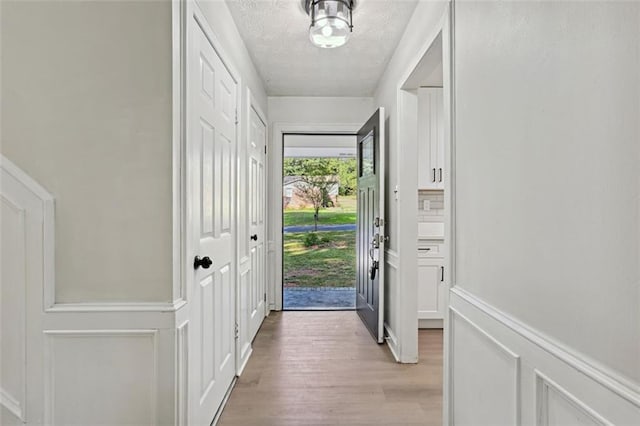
[(319, 309)]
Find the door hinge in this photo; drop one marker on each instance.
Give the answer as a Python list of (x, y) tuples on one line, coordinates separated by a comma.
[(236, 331), (265, 149), (236, 117), (265, 298)]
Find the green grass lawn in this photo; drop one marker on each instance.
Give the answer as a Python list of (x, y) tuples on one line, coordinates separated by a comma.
[(331, 263), (345, 213)]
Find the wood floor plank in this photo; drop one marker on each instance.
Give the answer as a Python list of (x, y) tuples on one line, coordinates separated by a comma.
[(323, 368)]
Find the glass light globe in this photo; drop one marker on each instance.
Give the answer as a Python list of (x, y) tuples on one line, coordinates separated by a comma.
[(330, 27)]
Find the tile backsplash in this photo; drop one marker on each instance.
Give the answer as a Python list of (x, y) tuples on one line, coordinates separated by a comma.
[(436, 206)]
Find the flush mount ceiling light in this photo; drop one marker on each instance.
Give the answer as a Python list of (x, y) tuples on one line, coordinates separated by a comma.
[(331, 21)]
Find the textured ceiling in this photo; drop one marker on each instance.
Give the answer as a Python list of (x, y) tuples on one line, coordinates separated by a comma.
[(276, 32)]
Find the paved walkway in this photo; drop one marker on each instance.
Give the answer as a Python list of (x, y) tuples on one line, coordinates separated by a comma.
[(307, 228), (319, 298)]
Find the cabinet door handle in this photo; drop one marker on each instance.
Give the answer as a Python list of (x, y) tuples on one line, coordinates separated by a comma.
[(442, 274), (440, 173), (434, 175)]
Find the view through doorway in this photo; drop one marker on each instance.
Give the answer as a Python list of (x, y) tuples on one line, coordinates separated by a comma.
[(319, 221)]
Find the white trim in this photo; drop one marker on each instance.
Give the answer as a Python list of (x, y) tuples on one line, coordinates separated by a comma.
[(48, 227), (408, 185), (580, 362), (11, 404), (543, 384), (244, 363), (516, 358), (181, 387), (407, 227), (116, 307), (391, 259), (22, 177), (392, 342), (179, 51), (274, 195), (223, 404), (448, 69), (253, 104)]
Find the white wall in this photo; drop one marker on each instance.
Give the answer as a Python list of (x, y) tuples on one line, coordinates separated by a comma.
[(546, 305), (547, 169), (315, 109), (421, 28), (86, 111), (423, 23)]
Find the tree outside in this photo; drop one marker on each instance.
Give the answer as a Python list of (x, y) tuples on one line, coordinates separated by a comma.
[(318, 254)]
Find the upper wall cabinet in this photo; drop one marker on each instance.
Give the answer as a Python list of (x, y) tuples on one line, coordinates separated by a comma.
[(431, 170)]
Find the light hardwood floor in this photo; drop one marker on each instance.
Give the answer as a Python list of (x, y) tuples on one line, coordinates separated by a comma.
[(324, 368)]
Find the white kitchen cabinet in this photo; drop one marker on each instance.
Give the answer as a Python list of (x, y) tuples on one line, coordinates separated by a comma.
[(431, 170), (430, 288)]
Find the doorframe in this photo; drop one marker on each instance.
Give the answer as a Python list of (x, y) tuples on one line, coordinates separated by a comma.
[(408, 181), (274, 195)]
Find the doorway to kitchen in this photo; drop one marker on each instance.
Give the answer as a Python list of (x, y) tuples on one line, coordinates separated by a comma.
[(319, 211)]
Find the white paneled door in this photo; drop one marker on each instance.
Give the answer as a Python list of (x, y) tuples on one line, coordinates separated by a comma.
[(211, 201), (257, 208)]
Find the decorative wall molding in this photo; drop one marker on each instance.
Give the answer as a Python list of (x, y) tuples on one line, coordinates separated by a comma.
[(585, 365), (48, 224), (182, 371), (116, 307), (545, 386), (52, 360), (392, 260), (453, 314), (11, 404)]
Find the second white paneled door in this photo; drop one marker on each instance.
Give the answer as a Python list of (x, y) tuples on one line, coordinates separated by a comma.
[(211, 200), (257, 208)]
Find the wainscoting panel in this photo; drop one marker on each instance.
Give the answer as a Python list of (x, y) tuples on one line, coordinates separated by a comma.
[(557, 407), (503, 372), (101, 377), (486, 380), (13, 321), (26, 269), (390, 300)]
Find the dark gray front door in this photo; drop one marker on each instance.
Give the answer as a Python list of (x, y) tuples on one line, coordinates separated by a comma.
[(370, 228)]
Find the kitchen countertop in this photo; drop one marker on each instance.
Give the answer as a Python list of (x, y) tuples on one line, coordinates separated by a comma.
[(431, 231)]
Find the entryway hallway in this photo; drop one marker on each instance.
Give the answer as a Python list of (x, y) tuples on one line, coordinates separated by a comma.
[(323, 368)]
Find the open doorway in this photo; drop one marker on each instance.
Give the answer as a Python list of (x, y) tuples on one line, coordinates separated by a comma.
[(319, 211), (424, 98)]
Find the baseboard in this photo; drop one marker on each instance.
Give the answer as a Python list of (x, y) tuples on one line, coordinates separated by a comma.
[(244, 364), (392, 342), (223, 404), (430, 323)]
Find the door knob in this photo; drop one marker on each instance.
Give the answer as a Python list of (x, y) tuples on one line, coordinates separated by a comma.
[(205, 262), (254, 237)]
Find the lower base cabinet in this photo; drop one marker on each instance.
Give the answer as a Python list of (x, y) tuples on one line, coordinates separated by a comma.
[(430, 289)]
